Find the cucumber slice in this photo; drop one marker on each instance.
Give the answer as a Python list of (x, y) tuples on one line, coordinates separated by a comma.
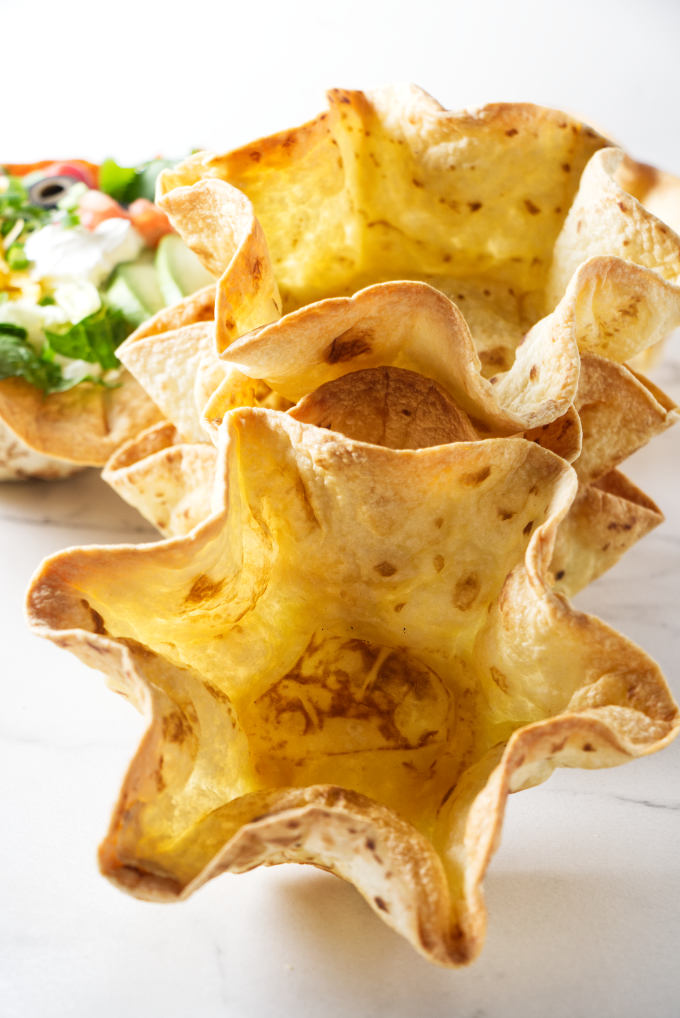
[(180, 272), (135, 291)]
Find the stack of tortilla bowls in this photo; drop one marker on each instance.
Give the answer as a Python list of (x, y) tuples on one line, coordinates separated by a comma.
[(384, 465)]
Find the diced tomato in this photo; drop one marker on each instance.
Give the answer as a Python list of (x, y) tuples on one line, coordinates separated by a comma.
[(150, 221), (71, 169), (95, 206), (89, 171)]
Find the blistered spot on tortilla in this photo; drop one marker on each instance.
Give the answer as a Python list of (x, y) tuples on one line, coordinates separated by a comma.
[(465, 592), (348, 345)]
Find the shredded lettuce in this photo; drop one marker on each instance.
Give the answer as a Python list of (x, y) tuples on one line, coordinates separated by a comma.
[(18, 359), (94, 340)]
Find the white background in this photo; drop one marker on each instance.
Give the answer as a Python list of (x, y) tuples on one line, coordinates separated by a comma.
[(584, 894), (132, 78)]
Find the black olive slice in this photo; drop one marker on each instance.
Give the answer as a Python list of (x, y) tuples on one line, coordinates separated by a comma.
[(46, 193)]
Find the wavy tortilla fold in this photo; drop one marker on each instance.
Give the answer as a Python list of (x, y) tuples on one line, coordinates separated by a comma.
[(329, 223), (170, 481), (412, 325), (351, 662), (514, 211)]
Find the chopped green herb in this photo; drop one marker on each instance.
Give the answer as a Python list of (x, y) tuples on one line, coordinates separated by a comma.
[(126, 183), (95, 338), (19, 360), (10, 329), (19, 214), (70, 201), (15, 205), (115, 179), (69, 219), (16, 258)]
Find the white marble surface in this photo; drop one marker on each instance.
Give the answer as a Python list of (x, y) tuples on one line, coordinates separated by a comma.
[(584, 893)]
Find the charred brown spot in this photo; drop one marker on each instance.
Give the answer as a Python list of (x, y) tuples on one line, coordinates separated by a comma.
[(369, 688), (588, 747), (466, 591), (261, 816), (499, 678), (97, 648), (631, 309), (255, 155), (622, 205), (511, 132), (417, 183), (348, 345), (97, 621), (370, 844), (532, 209), (559, 575), (438, 562), (472, 480), (474, 206), (203, 589), (398, 607), (447, 796), (175, 727), (528, 528), (158, 776), (385, 569), (566, 167), (382, 905), (229, 324), (505, 514), (256, 269), (496, 357), (216, 693), (439, 522), (533, 374)]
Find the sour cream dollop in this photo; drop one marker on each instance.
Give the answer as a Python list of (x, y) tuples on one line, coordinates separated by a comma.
[(76, 253)]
